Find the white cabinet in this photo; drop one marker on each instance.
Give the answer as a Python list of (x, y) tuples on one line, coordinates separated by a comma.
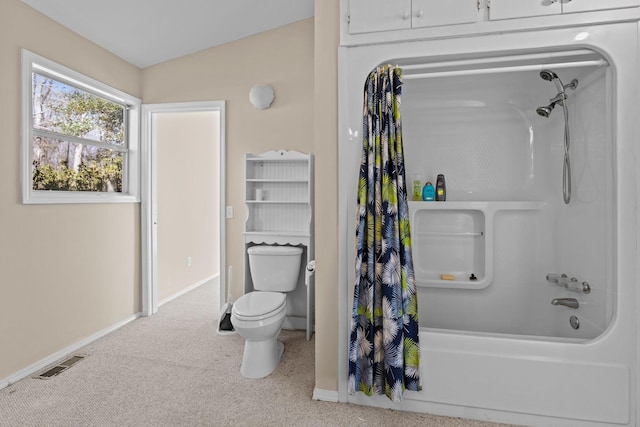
[(279, 200), (433, 13), (588, 5), (508, 9), (367, 16)]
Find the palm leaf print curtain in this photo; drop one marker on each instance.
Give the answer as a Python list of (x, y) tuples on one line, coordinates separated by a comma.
[(384, 353)]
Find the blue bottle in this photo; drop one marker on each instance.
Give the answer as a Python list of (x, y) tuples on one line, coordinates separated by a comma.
[(428, 192)]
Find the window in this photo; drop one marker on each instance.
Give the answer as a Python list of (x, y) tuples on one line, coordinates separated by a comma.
[(80, 137)]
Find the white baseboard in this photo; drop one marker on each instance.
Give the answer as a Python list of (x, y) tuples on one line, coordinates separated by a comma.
[(325, 395), (188, 289), (49, 360)]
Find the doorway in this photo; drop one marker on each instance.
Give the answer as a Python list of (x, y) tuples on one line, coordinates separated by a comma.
[(183, 221)]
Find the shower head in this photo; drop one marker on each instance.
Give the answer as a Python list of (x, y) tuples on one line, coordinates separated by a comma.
[(548, 75), (545, 111)]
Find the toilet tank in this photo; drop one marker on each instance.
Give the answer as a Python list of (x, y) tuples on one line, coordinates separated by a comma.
[(274, 268)]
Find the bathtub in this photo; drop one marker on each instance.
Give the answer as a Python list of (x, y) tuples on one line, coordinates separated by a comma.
[(524, 380), (496, 342)]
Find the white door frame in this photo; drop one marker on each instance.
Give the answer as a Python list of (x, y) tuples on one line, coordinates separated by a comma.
[(149, 206)]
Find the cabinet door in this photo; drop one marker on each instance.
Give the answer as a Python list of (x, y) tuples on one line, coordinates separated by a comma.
[(366, 16), (507, 9), (431, 13), (587, 5)]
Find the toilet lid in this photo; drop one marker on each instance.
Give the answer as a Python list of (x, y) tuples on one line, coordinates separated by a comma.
[(256, 304)]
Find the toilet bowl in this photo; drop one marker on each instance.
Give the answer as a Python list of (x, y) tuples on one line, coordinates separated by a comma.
[(258, 316)]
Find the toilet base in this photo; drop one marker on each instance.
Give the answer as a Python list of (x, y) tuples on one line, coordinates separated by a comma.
[(260, 358)]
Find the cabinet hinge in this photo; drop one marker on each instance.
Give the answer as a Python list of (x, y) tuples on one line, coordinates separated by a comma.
[(488, 4), (348, 19)]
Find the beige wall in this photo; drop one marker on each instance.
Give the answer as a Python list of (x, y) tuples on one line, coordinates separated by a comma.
[(282, 58), (57, 289), (66, 271), (327, 35), (188, 198)]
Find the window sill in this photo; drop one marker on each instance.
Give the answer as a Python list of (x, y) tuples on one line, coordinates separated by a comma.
[(58, 197)]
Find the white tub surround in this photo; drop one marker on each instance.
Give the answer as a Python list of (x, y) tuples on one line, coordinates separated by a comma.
[(493, 345)]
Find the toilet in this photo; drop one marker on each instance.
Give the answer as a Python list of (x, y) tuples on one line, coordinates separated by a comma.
[(258, 316)]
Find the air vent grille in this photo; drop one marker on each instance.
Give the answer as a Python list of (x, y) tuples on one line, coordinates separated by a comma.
[(60, 367)]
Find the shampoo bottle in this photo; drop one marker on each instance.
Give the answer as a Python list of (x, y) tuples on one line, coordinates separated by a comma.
[(441, 189), (417, 186), (428, 192)]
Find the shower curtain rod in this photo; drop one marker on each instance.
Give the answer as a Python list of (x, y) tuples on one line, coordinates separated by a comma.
[(496, 59), (508, 68)]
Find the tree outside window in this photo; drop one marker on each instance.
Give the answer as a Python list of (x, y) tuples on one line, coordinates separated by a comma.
[(90, 161), (80, 137)]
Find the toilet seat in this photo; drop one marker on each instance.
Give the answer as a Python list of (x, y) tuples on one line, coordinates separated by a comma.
[(259, 305)]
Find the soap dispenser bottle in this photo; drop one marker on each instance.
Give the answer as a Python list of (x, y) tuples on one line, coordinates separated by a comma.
[(441, 189), (428, 192)]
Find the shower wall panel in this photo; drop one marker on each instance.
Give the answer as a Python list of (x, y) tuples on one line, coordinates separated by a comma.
[(482, 132)]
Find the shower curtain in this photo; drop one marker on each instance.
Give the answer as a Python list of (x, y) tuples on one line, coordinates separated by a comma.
[(384, 352)]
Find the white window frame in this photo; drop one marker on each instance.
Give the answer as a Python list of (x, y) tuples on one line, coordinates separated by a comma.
[(131, 171)]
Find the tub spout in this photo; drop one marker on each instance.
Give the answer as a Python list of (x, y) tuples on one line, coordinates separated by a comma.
[(567, 302)]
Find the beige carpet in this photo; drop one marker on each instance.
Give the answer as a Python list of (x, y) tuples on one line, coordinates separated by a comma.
[(172, 369)]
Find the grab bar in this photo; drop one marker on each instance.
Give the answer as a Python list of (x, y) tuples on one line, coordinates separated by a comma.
[(571, 284), (567, 302)]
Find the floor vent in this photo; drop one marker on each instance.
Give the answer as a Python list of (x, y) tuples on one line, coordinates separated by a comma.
[(60, 367)]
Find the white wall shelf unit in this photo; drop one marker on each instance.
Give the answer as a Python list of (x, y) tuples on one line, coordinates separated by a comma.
[(279, 201)]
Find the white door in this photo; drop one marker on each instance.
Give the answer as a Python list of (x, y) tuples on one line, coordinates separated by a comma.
[(586, 5), (366, 16), (432, 13), (149, 208), (508, 9)]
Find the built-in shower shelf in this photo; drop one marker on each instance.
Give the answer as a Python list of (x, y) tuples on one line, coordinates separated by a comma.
[(483, 205), (461, 280), (277, 202), (452, 234), (455, 239)]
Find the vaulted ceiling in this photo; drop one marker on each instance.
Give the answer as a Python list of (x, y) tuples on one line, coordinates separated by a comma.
[(147, 32)]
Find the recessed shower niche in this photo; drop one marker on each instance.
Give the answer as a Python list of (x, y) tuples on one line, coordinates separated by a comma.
[(453, 242), (449, 245)]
